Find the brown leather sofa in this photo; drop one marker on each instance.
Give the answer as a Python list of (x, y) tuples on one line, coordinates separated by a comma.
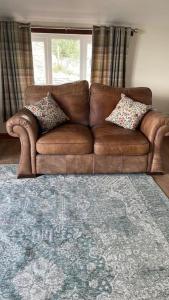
[(88, 144)]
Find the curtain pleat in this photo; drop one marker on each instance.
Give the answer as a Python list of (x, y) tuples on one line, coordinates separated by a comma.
[(16, 65), (109, 52)]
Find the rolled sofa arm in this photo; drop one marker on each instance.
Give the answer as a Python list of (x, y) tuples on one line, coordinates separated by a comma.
[(24, 125), (155, 126)]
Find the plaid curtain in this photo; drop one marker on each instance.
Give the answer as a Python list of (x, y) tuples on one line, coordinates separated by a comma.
[(16, 65), (109, 54)]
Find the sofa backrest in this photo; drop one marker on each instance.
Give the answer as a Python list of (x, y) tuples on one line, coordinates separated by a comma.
[(103, 99), (73, 98)]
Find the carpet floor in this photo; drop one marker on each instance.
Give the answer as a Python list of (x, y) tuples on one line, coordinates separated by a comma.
[(101, 237)]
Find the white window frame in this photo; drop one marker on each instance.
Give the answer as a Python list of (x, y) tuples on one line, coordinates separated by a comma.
[(47, 38)]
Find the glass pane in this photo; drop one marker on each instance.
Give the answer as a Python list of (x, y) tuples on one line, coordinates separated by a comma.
[(38, 49), (89, 61), (65, 60)]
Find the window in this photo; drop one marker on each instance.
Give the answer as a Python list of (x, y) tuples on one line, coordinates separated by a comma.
[(61, 58)]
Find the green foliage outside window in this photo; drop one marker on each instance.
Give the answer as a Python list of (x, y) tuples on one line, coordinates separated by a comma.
[(67, 53), (66, 49)]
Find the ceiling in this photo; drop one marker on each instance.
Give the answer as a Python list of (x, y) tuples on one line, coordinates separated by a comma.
[(88, 12)]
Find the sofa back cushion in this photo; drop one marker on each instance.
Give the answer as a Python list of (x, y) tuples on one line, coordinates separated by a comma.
[(73, 98), (103, 99)]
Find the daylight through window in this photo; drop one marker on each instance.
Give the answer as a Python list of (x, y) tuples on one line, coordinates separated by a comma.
[(61, 58)]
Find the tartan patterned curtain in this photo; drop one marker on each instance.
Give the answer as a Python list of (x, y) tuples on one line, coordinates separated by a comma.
[(16, 65), (109, 55)]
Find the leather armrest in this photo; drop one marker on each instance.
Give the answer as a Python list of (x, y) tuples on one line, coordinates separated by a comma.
[(155, 126), (24, 125)]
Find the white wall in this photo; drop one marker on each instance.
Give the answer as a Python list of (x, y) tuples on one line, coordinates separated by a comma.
[(148, 64)]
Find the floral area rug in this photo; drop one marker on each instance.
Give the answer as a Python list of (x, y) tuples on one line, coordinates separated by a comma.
[(101, 237)]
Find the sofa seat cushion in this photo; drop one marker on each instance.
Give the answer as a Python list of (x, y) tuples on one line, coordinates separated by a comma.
[(110, 139), (66, 139)]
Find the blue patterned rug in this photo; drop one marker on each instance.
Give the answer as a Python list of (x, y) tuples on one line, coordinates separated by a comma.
[(83, 238)]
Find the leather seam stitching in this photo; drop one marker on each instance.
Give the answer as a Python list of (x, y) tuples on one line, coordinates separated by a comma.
[(121, 144), (62, 143)]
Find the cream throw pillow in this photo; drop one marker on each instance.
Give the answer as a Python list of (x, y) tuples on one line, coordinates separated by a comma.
[(128, 113), (48, 113)]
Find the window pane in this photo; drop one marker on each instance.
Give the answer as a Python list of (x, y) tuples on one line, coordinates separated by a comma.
[(38, 49), (65, 60), (89, 61)]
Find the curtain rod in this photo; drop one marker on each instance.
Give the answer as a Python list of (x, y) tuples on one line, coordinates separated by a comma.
[(24, 25), (62, 27), (135, 30)]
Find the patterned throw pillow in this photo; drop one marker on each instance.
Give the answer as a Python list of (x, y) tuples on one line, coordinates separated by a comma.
[(48, 113), (128, 113)]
